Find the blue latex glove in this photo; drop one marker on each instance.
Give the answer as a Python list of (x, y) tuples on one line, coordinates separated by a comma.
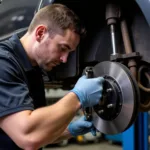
[(89, 90), (81, 127), (93, 131)]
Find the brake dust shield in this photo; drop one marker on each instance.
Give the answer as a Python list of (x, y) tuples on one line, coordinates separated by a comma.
[(119, 105)]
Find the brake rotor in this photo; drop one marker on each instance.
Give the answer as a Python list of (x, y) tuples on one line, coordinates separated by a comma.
[(119, 105)]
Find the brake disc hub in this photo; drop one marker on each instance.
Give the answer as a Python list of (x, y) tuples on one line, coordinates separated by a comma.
[(111, 102)]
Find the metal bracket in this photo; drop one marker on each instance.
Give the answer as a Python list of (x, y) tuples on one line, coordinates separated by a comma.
[(122, 57)]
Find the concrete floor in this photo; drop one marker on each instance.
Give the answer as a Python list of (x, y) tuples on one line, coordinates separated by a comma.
[(90, 146)]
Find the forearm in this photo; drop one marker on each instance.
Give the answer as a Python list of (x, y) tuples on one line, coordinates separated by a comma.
[(44, 125), (47, 124), (65, 135)]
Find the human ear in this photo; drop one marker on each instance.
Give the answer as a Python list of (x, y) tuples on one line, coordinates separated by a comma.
[(40, 32)]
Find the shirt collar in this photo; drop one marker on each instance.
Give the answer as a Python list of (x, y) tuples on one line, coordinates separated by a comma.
[(20, 53)]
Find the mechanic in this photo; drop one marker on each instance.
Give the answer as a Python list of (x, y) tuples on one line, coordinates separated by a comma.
[(25, 120)]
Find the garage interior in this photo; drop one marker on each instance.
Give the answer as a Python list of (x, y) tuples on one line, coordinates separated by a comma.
[(117, 48)]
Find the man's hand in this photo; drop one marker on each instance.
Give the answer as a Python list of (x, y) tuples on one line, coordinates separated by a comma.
[(80, 127), (89, 90)]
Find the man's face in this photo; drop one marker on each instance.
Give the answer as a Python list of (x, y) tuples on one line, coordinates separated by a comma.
[(51, 51)]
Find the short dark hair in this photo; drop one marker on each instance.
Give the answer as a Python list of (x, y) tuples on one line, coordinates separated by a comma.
[(57, 17)]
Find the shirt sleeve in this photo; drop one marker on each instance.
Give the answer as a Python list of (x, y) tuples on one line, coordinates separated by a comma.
[(14, 92)]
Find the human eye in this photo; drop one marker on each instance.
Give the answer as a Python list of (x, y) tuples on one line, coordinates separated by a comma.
[(64, 49)]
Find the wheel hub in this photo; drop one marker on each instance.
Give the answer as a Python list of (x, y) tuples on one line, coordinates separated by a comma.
[(111, 102)]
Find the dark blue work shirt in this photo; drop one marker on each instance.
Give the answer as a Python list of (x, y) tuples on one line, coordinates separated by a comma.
[(21, 84)]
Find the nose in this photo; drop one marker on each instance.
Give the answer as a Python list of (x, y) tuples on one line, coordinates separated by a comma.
[(64, 57)]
